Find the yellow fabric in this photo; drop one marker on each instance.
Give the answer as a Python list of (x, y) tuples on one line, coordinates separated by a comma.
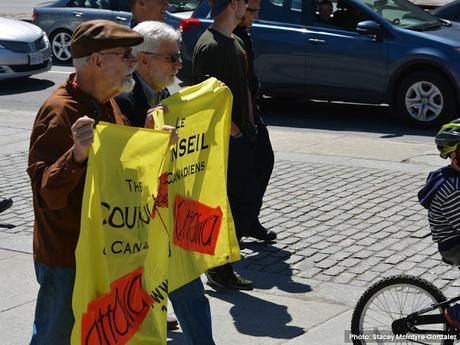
[(201, 114), (127, 264), (119, 154)]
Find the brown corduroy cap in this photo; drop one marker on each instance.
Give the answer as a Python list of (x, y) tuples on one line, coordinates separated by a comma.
[(96, 35)]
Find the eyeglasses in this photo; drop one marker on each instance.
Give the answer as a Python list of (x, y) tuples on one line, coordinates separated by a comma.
[(252, 10), (171, 58), (126, 55)]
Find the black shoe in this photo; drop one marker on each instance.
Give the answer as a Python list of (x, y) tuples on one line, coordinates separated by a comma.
[(217, 278), (5, 204), (235, 281), (263, 234), (240, 283), (225, 277)]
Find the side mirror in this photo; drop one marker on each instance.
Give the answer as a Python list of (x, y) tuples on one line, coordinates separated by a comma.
[(370, 27)]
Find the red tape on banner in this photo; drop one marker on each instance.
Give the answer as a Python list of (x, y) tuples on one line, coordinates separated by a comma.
[(162, 197), (196, 225), (116, 316)]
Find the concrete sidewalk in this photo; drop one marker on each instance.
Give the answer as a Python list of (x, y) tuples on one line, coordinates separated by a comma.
[(281, 310), (344, 220)]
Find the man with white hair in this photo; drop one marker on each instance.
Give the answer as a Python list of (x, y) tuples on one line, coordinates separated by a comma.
[(142, 11), (158, 63)]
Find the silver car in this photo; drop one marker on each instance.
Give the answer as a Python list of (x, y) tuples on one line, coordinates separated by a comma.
[(60, 18), (24, 49)]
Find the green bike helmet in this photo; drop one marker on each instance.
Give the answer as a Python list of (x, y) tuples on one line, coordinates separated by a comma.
[(448, 138)]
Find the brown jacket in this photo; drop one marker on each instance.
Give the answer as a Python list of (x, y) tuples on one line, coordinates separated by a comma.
[(57, 180)]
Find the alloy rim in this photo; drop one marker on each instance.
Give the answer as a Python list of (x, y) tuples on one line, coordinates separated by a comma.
[(424, 101), (61, 46)]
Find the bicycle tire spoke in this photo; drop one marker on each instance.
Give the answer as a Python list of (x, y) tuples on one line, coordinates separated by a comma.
[(406, 298), (379, 322), (394, 302), (383, 307)]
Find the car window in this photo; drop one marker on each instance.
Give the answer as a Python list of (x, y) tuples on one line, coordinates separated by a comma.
[(122, 5), (403, 13), (338, 14), (101, 4), (296, 5), (284, 11)]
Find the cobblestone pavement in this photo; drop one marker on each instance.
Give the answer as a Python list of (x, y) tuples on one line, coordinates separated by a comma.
[(341, 224)]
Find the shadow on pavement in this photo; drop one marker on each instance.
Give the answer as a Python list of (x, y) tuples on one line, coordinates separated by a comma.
[(336, 116), (257, 317), (280, 271), (22, 85), (62, 64)]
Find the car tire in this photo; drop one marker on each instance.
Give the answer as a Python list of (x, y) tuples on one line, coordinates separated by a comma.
[(425, 99), (60, 45)]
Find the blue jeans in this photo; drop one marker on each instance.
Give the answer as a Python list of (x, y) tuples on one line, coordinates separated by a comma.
[(53, 313), (192, 309)]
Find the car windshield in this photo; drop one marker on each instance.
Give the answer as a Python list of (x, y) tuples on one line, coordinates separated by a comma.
[(404, 14)]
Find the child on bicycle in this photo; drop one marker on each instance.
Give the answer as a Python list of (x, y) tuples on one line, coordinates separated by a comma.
[(441, 196)]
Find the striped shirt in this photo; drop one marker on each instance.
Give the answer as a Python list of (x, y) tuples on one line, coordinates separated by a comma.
[(444, 211)]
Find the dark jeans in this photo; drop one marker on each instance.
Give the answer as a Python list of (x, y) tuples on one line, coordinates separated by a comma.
[(265, 159), (243, 188), (250, 165)]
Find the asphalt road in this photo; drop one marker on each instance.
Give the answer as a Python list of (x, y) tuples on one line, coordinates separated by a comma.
[(26, 96), (20, 9)]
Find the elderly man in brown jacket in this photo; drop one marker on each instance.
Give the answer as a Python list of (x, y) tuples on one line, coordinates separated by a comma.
[(59, 146)]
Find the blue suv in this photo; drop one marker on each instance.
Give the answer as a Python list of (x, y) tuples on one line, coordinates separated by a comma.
[(367, 51)]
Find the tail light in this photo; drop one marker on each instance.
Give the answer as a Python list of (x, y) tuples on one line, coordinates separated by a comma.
[(34, 16), (189, 23)]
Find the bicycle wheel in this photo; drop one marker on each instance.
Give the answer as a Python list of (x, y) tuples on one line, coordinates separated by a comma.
[(392, 299)]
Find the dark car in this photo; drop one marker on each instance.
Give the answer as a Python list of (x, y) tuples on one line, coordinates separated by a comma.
[(370, 51), (450, 11), (59, 18)]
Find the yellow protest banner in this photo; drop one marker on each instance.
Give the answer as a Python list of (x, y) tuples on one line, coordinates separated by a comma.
[(120, 291), (153, 218), (199, 219)]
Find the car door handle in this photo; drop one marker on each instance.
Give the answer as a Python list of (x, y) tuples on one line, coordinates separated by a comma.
[(316, 41), (121, 19), (78, 14)]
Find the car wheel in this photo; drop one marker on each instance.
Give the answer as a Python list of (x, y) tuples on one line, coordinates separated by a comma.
[(425, 99), (60, 45)]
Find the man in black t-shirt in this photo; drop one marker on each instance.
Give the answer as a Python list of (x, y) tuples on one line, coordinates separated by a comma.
[(220, 54)]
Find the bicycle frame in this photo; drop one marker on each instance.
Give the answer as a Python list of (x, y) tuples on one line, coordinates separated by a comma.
[(409, 323)]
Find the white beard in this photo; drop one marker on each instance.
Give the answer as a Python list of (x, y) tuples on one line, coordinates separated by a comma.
[(128, 84)]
